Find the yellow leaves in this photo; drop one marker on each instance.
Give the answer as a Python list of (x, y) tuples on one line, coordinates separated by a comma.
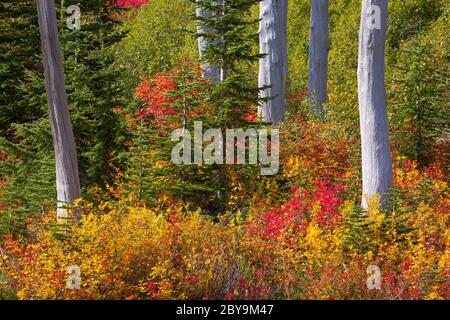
[(120, 249), (321, 246), (237, 221), (399, 175), (161, 164), (347, 207), (105, 206), (433, 296), (78, 202), (293, 165), (440, 186), (412, 175)]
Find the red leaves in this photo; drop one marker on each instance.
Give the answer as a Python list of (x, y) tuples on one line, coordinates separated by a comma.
[(127, 3), (294, 216), (327, 196), (253, 290), (251, 117), (154, 95), (151, 288), (159, 99)]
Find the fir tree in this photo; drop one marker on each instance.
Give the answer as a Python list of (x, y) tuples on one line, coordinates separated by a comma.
[(95, 87), (232, 47), (19, 38), (419, 111), (170, 101)]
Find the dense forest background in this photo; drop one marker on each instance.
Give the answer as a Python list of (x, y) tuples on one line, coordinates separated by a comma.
[(154, 230)]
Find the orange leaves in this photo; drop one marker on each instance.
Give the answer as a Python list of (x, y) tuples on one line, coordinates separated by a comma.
[(298, 245), (166, 96), (154, 95), (311, 152)]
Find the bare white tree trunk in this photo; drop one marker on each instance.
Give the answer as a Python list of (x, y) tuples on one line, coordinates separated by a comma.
[(318, 55), (67, 179), (376, 156), (211, 72), (273, 68)]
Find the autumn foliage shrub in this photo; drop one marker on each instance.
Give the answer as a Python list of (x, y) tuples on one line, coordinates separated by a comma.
[(303, 237), (128, 3)]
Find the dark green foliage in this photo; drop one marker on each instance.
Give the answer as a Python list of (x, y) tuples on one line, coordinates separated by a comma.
[(151, 172), (95, 86), (31, 175), (394, 226), (19, 39), (232, 47), (419, 103), (408, 18)]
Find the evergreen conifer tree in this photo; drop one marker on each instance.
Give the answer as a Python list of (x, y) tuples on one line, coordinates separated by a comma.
[(419, 108), (95, 87), (232, 47), (19, 38), (171, 101)]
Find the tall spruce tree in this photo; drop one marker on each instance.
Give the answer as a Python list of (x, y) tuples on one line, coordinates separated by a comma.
[(419, 107), (231, 97), (19, 39), (95, 86), (171, 101), (233, 25)]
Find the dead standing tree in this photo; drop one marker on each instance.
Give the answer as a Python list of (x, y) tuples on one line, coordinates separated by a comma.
[(67, 178)]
